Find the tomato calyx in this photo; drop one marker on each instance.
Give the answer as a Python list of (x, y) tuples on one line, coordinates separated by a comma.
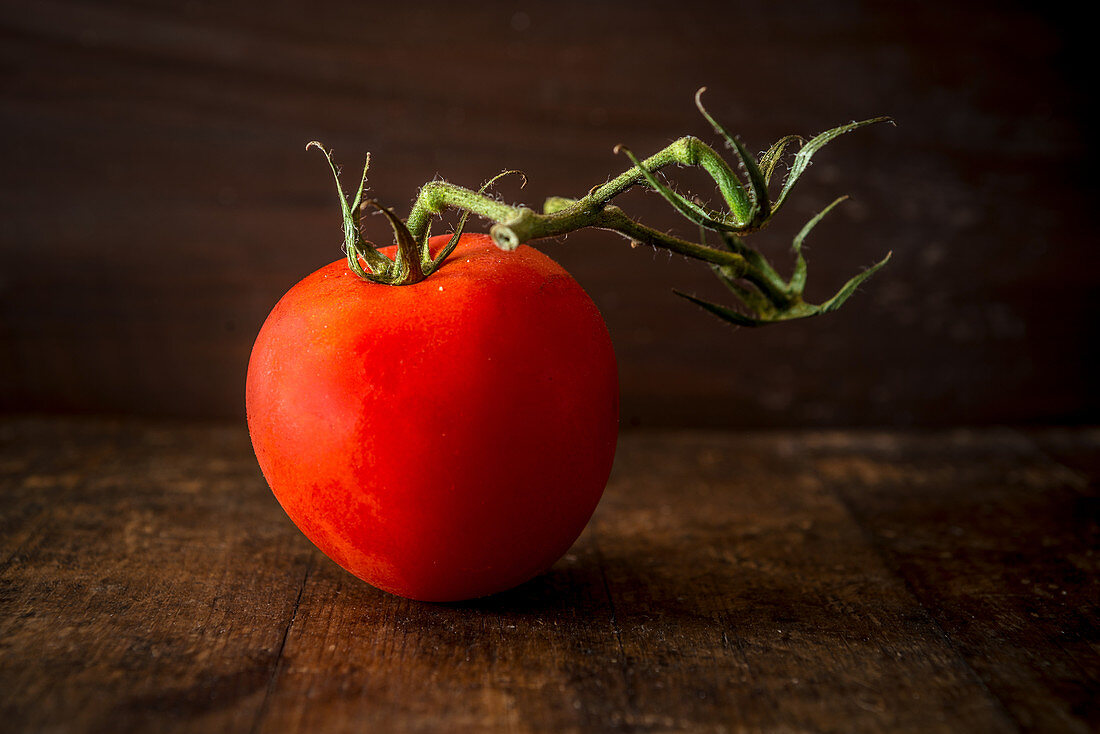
[(413, 261), (763, 296), (364, 259)]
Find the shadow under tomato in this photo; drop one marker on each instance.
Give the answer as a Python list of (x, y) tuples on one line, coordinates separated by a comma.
[(572, 584)]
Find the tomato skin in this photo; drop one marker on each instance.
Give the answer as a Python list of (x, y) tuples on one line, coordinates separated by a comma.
[(443, 440)]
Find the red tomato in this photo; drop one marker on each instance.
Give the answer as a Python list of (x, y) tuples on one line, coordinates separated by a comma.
[(443, 440)]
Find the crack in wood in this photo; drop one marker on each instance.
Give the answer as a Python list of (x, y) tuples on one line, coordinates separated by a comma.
[(278, 663)]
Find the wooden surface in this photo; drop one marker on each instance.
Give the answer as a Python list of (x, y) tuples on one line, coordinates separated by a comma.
[(841, 581), (156, 199)]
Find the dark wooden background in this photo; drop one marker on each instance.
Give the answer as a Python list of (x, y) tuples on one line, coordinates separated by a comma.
[(156, 200)]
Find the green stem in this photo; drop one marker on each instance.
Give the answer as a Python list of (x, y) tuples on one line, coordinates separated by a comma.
[(516, 225), (528, 225), (748, 209), (436, 196), (687, 151)]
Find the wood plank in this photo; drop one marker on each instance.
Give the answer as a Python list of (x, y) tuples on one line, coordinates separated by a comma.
[(1001, 544), (540, 658), (729, 582), (704, 596), (747, 599), (155, 591)]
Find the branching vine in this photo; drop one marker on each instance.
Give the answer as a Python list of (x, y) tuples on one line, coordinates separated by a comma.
[(763, 295)]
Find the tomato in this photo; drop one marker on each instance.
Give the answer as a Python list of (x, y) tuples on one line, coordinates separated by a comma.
[(443, 440)]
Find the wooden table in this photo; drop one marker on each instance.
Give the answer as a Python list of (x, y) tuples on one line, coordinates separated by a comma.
[(788, 581)]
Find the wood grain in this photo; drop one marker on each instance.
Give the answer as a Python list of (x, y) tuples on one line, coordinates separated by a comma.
[(843, 581), (156, 199), (999, 542)]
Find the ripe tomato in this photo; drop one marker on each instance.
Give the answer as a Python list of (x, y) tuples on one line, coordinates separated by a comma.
[(442, 440)]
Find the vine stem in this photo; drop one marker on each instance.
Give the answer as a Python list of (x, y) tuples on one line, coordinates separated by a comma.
[(749, 208), (515, 225)]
